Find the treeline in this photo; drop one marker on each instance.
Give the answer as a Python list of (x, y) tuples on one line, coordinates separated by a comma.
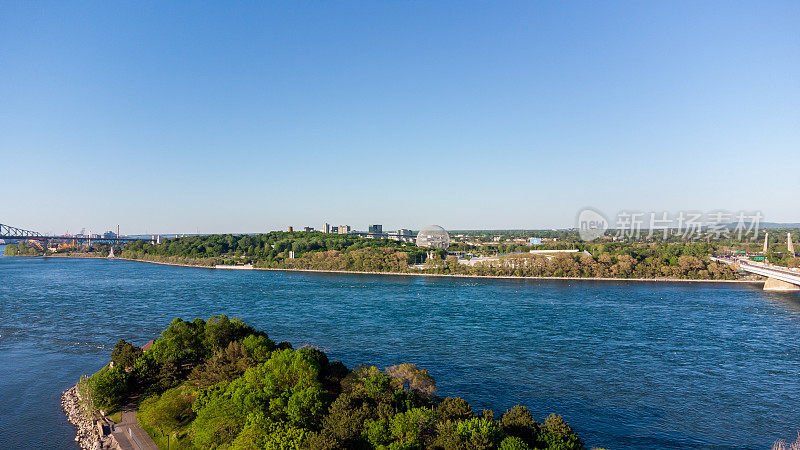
[(23, 249), (35, 248), (272, 250), (611, 260), (320, 251), (222, 384)]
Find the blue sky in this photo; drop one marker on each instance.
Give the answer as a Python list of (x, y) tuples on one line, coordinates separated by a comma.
[(244, 117)]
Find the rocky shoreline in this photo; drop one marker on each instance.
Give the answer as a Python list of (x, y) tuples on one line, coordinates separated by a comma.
[(90, 430)]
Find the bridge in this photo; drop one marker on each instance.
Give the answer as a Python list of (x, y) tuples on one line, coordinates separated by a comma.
[(778, 278), (8, 232)]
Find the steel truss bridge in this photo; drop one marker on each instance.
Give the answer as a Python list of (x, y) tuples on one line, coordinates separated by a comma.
[(8, 232)]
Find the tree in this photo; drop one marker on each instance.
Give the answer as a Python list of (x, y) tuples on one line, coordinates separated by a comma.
[(125, 354), (455, 409), (557, 435), (109, 388), (409, 376), (518, 421)]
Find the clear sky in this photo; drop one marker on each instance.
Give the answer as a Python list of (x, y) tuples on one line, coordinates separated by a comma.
[(244, 117)]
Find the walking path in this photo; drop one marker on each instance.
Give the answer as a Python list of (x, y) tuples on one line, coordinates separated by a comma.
[(128, 432)]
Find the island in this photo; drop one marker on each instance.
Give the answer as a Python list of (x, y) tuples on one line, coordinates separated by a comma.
[(474, 254)]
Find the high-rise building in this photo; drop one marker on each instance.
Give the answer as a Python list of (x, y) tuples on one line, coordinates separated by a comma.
[(308, 228), (375, 229), (334, 229), (289, 229), (327, 227), (344, 229)]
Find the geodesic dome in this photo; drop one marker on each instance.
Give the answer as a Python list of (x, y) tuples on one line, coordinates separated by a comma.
[(433, 236)]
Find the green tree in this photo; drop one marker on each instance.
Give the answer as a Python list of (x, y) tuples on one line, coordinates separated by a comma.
[(125, 354)]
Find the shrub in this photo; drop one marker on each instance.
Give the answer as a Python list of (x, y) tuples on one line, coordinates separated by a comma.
[(169, 411), (513, 443)]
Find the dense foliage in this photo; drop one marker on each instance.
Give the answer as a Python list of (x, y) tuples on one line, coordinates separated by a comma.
[(221, 384), (23, 249), (295, 250), (611, 260), (606, 257), (347, 252)]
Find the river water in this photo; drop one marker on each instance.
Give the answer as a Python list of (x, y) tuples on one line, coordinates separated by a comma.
[(629, 365)]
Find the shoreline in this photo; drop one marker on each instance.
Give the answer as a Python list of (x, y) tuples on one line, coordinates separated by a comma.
[(411, 274), (87, 425)]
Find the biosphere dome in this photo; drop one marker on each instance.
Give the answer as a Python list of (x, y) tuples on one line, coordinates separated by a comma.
[(433, 236)]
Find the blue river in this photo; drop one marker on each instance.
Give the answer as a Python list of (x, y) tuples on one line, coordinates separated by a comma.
[(629, 365)]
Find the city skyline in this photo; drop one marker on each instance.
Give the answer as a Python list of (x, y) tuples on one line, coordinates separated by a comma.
[(205, 118)]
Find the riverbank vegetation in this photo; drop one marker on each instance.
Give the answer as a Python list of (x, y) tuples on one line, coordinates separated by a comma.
[(38, 248), (222, 384), (318, 251), (284, 250), (611, 260), (506, 256), (23, 249)]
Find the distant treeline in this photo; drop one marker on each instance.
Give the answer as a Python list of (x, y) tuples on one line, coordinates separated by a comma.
[(222, 384), (292, 250), (346, 252), (322, 251), (610, 260)]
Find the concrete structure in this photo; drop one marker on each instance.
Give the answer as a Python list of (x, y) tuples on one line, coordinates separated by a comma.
[(289, 229), (789, 243), (773, 284), (344, 229), (327, 227), (766, 243), (401, 235), (375, 229), (308, 228), (778, 278)]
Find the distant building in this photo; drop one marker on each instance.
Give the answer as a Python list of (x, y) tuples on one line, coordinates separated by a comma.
[(535, 241), (344, 229), (334, 230), (289, 229), (375, 229), (402, 235), (327, 227), (308, 228), (109, 235)]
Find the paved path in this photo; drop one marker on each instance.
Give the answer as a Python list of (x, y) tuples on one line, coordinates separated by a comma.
[(129, 434)]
